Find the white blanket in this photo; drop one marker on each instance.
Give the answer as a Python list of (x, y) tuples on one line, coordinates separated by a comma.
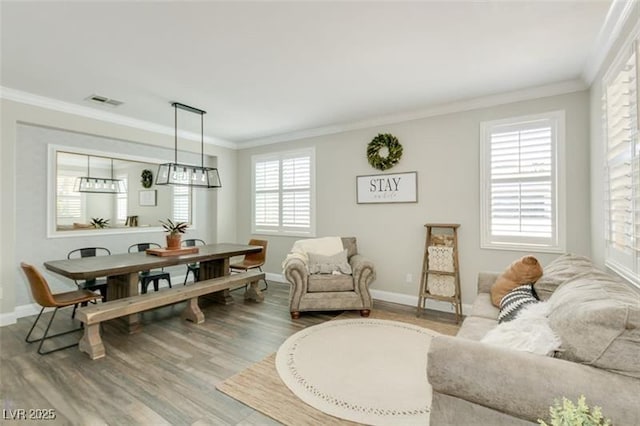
[(326, 246)]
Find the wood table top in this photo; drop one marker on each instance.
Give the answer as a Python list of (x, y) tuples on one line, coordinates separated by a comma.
[(119, 264)]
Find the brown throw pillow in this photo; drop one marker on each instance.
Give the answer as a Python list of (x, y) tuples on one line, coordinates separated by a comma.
[(526, 270)]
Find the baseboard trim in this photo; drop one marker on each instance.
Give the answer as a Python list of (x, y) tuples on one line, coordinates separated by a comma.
[(19, 312), (385, 296), (388, 296), (410, 300)]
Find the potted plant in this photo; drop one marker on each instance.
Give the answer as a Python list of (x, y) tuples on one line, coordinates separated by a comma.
[(99, 223), (569, 414), (175, 230)]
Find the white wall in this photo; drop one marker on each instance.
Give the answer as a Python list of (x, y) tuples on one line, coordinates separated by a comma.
[(23, 201), (444, 150)]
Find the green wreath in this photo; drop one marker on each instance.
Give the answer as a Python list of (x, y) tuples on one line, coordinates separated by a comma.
[(147, 178), (373, 151)]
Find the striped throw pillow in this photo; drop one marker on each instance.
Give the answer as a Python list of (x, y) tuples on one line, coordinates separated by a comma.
[(515, 300)]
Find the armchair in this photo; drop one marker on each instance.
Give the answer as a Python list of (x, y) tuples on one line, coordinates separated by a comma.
[(328, 292)]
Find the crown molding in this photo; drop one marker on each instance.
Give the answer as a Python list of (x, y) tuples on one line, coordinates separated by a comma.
[(560, 88), (617, 16), (109, 117)]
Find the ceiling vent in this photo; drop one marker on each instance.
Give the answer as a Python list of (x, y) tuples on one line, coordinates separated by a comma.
[(103, 100)]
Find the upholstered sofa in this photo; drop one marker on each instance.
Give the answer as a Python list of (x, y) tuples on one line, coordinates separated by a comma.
[(596, 316), (329, 292)]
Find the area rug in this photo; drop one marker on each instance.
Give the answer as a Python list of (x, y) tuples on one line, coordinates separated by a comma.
[(259, 386), (364, 370)]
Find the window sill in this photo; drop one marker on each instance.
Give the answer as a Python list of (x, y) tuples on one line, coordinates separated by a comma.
[(284, 233), (530, 248)]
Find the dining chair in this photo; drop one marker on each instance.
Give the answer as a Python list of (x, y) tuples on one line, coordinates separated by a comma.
[(194, 268), (43, 296), (99, 284), (148, 277), (253, 260)]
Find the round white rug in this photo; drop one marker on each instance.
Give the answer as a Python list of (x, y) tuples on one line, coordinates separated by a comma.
[(364, 370)]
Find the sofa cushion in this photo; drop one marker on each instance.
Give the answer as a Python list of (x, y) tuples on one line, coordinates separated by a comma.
[(475, 328), (515, 301), (320, 264), (597, 317), (482, 307), (322, 283), (526, 270), (558, 271)]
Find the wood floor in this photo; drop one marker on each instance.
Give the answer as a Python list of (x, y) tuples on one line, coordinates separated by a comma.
[(165, 374)]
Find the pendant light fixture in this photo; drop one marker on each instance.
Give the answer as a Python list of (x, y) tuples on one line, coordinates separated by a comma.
[(184, 174), (99, 185)]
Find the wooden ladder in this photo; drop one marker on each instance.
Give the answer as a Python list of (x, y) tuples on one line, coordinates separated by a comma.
[(455, 300)]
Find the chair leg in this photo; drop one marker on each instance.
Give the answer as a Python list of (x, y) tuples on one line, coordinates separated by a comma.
[(186, 277), (34, 326), (144, 285), (169, 280), (156, 284), (45, 337), (266, 284)]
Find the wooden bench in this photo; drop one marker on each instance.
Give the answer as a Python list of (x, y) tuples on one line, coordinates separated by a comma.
[(93, 315)]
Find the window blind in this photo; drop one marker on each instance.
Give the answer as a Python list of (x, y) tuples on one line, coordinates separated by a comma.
[(122, 201), (622, 168), (267, 194), (296, 192), (521, 190), (68, 202), (519, 183), (283, 193), (181, 203)]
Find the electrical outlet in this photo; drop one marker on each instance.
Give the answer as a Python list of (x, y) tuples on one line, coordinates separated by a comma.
[(409, 278)]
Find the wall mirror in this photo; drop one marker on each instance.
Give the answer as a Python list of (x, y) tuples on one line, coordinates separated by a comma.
[(139, 206)]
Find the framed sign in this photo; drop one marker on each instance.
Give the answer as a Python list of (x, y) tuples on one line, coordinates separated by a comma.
[(147, 198), (387, 188)]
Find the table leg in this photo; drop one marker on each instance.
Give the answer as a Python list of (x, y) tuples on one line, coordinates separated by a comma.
[(253, 292), (91, 342), (192, 312), (213, 269), (120, 286)]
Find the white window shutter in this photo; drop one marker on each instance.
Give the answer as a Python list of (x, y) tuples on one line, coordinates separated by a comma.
[(622, 168), (181, 203), (520, 183), (68, 202), (283, 188)]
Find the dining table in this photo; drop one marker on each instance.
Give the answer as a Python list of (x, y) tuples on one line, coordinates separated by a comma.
[(122, 270)]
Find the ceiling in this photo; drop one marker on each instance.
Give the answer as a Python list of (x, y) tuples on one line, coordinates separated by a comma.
[(267, 69)]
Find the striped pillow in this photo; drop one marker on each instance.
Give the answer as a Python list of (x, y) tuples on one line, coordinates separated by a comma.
[(515, 300)]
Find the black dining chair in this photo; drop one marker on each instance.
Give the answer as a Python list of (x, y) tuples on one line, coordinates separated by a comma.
[(99, 284), (194, 268), (148, 277)]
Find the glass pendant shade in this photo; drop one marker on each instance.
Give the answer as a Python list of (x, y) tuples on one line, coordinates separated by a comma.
[(99, 185), (185, 174)]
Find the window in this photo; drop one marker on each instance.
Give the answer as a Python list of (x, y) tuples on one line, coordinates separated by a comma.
[(121, 201), (181, 203), (622, 165), (69, 203), (522, 189), (283, 193)]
